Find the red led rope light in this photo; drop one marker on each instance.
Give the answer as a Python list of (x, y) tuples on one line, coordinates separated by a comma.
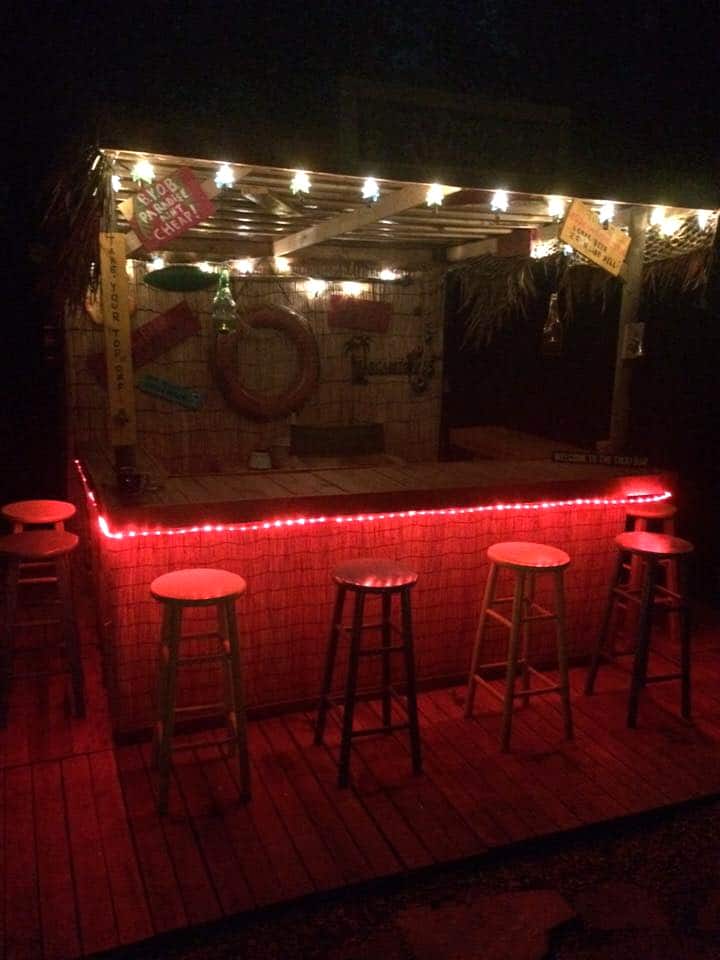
[(106, 531)]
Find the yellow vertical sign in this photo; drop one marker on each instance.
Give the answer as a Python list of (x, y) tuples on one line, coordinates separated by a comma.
[(118, 355)]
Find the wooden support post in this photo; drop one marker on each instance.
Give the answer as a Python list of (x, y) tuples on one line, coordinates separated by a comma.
[(629, 306)]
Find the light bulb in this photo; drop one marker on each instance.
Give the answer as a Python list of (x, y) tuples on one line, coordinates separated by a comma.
[(282, 264), (351, 288), (606, 213), (143, 171), (224, 177), (300, 183), (500, 201), (116, 182), (670, 225), (657, 216), (703, 218), (387, 274), (314, 288), (434, 195), (246, 265), (157, 263), (204, 266), (556, 207), (370, 189)]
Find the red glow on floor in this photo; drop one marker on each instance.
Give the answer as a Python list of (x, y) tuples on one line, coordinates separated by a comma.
[(252, 526)]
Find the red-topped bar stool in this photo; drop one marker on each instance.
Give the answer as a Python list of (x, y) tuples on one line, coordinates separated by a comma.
[(652, 549), (384, 579), (177, 592), (36, 513), (526, 561), (658, 518), (35, 548)]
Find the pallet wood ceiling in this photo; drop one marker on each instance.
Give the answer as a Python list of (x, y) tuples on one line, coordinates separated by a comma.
[(260, 217)]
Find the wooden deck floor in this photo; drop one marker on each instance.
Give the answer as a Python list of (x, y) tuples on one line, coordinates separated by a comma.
[(86, 863)]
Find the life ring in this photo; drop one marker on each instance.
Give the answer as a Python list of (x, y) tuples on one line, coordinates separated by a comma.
[(258, 406)]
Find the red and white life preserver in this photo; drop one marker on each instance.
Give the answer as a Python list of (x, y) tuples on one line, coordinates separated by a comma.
[(257, 406)]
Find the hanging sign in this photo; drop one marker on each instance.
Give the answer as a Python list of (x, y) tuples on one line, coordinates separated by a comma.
[(350, 313), (152, 339), (172, 392), (607, 246), (118, 357), (165, 209)]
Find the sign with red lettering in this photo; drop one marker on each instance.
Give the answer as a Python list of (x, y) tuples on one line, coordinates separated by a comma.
[(607, 246), (168, 207)]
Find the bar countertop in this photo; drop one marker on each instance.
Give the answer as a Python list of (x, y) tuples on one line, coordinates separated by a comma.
[(330, 486)]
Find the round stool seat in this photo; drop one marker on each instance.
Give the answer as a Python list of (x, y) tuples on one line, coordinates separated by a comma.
[(658, 545), (197, 586), (38, 544), (524, 556), (652, 511), (38, 511), (369, 573)]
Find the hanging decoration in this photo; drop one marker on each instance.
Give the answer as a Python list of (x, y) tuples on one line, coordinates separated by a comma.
[(172, 392), (168, 208), (552, 332), (180, 276), (606, 246), (224, 308), (258, 406)]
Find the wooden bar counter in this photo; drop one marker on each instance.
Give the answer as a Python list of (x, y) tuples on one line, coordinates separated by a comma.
[(283, 531)]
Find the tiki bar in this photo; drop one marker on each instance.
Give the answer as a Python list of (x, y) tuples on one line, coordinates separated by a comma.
[(341, 535)]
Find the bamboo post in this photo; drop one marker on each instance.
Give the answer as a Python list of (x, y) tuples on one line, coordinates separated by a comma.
[(629, 307)]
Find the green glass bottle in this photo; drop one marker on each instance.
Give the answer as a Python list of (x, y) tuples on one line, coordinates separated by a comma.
[(224, 308)]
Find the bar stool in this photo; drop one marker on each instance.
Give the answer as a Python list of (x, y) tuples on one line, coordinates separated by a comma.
[(652, 549), (35, 513), (526, 561), (661, 516), (178, 591), (385, 579), (34, 548)]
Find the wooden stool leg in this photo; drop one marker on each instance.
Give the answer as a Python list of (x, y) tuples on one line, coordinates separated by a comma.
[(513, 647), (386, 674), (162, 707), (409, 652), (685, 623), (351, 689), (335, 628), (223, 628), (643, 646), (604, 629), (562, 653), (488, 598), (70, 636), (12, 572), (168, 719), (527, 611), (239, 716)]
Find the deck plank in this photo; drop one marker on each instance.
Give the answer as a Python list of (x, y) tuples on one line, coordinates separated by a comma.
[(23, 934), (126, 886), (60, 929)]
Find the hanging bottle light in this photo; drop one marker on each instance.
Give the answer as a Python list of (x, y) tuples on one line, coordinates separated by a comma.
[(224, 308), (552, 332)]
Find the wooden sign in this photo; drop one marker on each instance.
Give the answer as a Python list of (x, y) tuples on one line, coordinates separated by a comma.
[(173, 392), (607, 246), (118, 356), (600, 459), (351, 313), (155, 337), (165, 209)]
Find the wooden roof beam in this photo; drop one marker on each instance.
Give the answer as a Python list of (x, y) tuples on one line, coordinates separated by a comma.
[(391, 204)]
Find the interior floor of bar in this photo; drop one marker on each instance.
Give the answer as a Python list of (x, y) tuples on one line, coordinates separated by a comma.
[(89, 864)]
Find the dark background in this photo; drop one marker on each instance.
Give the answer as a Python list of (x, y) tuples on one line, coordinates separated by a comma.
[(261, 82)]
